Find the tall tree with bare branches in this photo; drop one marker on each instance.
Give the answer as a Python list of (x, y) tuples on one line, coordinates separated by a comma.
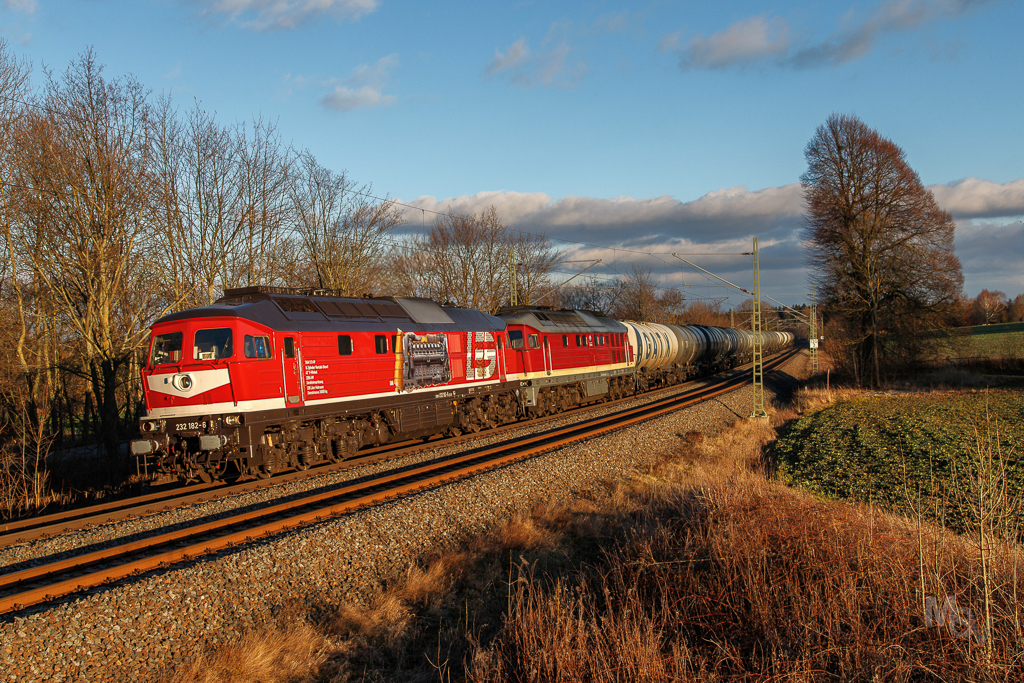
[(880, 248), (84, 190), (466, 258), (345, 236), (14, 87), (266, 252), (196, 202)]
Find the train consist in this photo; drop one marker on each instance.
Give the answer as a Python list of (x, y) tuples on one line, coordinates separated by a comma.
[(271, 378)]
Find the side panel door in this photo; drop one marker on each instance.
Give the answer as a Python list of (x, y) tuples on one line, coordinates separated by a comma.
[(291, 369)]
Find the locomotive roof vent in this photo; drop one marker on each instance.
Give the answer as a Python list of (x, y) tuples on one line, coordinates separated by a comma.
[(424, 311)]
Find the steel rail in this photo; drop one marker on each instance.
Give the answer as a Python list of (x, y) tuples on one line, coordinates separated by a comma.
[(33, 528), (357, 494), (9, 530)]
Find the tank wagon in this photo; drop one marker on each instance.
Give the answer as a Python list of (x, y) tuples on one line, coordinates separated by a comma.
[(271, 378), (669, 354)]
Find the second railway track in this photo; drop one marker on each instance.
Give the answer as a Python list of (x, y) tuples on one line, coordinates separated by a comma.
[(50, 580)]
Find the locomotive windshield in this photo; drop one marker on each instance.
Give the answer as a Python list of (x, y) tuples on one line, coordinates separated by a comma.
[(212, 344), (166, 349)]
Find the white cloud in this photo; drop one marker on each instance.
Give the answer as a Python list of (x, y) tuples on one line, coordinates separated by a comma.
[(758, 40), (617, 23), (520, 65), (347, 99), (364, 87), (718, 215), (746, 42), (648, 230), (375, 74), (25, 6), (976, 198), (264, 15), (991, 255), (516, 53)]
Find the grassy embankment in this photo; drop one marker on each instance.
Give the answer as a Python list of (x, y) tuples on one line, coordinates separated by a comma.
[(703, 569)]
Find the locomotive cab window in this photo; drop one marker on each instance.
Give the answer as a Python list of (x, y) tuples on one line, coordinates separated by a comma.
[(289, 347), (212, 344), (166, 349), (344, 345), (257, 347), (380, 341), (565, 341), (515, 339), (534, 341)]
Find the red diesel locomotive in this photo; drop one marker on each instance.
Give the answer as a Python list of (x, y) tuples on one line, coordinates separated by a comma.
[(269, 378)]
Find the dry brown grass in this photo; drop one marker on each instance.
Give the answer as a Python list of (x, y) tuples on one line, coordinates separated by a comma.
[(275, 656), (729, 575), (701, 569)]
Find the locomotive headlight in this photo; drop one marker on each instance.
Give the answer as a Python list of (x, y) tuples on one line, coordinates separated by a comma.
[(149, 426), (233, 420), (182, 382)]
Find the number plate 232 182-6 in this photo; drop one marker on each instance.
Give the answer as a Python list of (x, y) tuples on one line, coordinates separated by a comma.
[(190, 426)]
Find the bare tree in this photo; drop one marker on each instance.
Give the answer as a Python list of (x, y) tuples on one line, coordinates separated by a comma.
[(266, 253), (196, 202), (14, 87), (84, 187), (535, 260), (345, 237), (591, 295), (701, 312), (881, 248), (466, 258), (989, 307), (637, 296)]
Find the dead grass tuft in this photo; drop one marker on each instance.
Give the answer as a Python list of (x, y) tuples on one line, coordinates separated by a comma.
[(522, 533), (813, 398), (276, 656), (424, 586)]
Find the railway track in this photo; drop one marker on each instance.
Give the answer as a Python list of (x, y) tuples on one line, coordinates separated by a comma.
[(41, 527), (50, 580)]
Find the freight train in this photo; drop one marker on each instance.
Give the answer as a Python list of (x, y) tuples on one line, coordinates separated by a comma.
[(266, 378)]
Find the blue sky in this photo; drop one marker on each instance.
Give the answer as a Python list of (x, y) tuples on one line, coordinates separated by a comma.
[(654, 128)]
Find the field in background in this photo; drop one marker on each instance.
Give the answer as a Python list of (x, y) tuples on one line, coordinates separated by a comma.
[(1002, 341), (907, 451)]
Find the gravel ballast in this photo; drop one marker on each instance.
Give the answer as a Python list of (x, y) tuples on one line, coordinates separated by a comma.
[(136, 628)]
